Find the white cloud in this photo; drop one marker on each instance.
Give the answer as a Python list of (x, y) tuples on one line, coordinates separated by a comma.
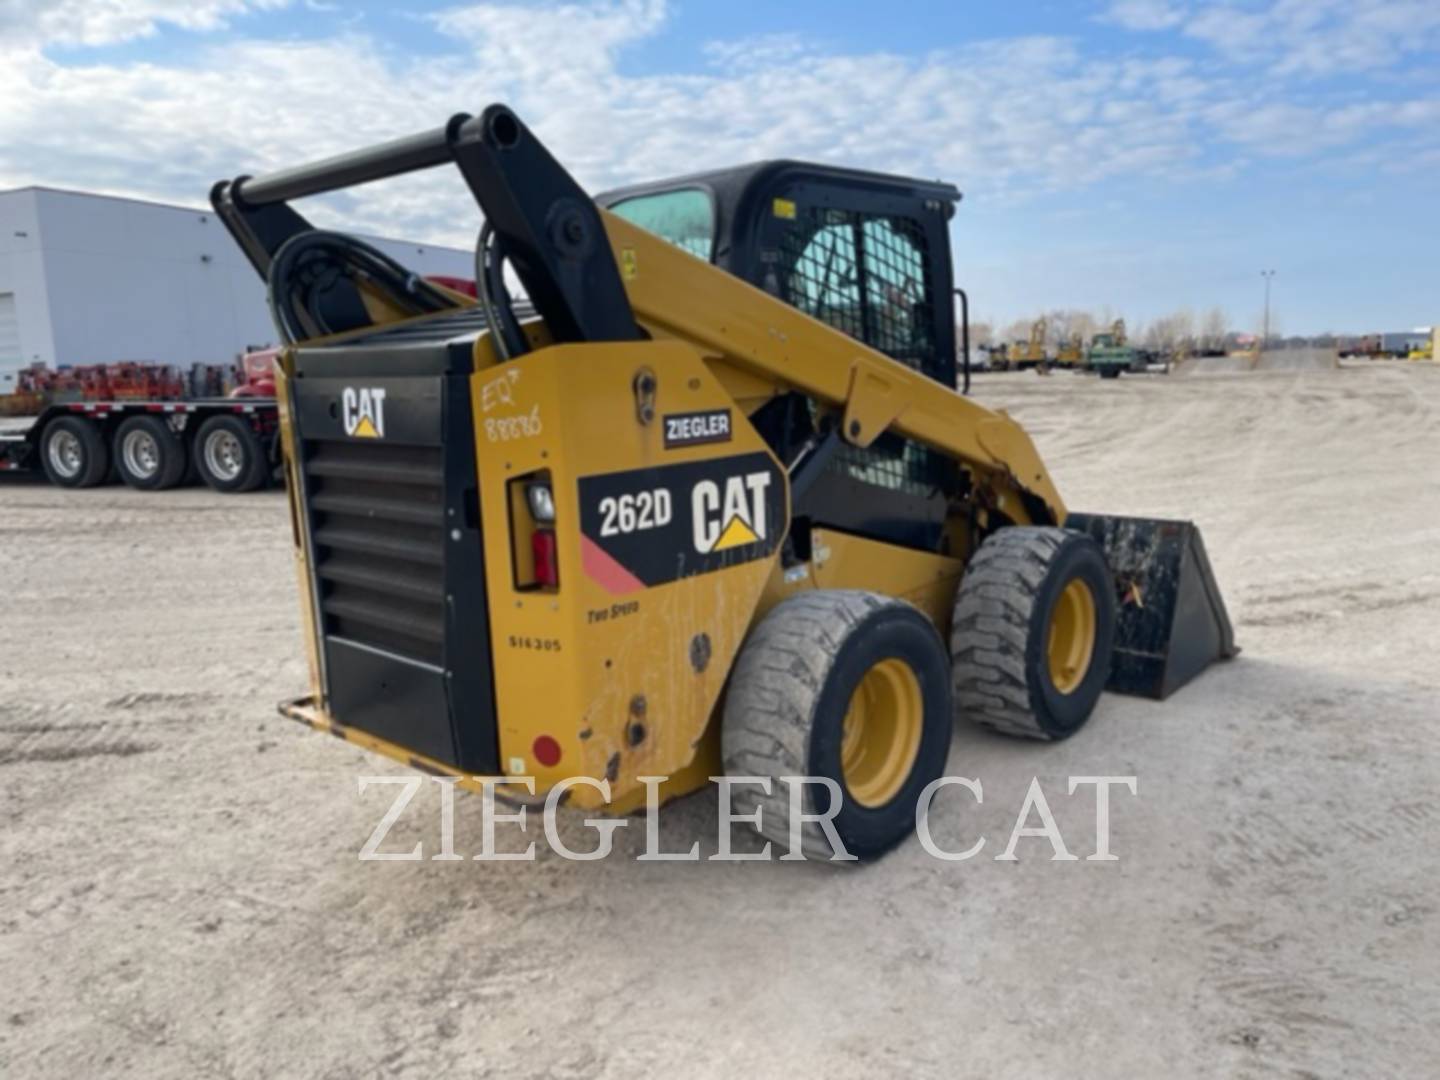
[(1001, 118), (1281, 38), (1145, 14), (107, 22)]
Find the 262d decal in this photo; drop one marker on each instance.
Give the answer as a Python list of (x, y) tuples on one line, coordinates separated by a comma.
[(649, 526)]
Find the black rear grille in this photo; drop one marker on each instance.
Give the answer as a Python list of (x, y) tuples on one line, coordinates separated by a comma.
[(377, 521)]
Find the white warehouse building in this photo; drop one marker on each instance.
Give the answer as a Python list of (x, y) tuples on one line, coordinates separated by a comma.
[(95, 279)]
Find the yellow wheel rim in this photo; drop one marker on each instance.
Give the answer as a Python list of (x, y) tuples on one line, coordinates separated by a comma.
[(881, 733), (1071, 641)]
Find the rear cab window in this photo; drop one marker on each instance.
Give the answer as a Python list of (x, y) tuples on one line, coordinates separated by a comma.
[(686, 218)]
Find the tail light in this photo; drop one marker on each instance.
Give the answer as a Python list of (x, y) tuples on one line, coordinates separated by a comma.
[(544, 550), (534, 548)]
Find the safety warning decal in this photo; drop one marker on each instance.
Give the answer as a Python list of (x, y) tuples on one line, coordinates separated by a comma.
[(649, 526)]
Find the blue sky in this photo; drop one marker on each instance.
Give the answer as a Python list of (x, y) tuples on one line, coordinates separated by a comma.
[(1133, 156)]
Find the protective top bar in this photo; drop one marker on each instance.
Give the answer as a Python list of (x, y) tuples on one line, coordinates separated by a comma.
[(394, 158), (544, 225)]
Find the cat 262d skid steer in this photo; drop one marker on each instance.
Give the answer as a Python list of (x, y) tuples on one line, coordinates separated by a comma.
[(688, 507)]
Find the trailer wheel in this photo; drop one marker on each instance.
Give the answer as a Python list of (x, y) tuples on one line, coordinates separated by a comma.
[(1033, 630), (846, 685), (228, 455), (148, 455), (1109, 373), (73, 453)]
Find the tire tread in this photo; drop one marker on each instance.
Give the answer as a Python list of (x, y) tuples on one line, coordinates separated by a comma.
[(772, 698), (991, 629)]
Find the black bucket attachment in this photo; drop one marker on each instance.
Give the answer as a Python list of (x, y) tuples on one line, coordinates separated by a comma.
[(1170, 620)]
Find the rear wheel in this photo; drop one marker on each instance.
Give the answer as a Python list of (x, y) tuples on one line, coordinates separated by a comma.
[(73, 453), (1109, 373), (229, 455), (148, 455), (1033, 630), (846, 685)]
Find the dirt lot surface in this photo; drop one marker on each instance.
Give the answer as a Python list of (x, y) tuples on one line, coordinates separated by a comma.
[(1269, 361), (182, 897)]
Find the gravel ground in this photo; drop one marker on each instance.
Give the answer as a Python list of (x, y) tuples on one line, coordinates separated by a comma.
[(182, 895)]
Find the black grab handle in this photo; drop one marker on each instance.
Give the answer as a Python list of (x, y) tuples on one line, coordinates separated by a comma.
[(965, 335)]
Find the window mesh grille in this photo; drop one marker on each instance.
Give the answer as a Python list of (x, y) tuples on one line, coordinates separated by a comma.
[(892, 463), (864, 275), (868, 276)]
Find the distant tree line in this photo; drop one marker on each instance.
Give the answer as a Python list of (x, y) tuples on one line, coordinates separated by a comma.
[(1181, 330)]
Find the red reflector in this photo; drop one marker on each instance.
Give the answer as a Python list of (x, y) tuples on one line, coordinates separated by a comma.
[(546, 751), (547, 558)]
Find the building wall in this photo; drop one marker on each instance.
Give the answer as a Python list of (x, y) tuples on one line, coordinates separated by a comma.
[(101, 280), (22, 279)]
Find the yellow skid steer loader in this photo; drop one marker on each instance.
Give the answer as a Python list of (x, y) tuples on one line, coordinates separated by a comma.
[(703, 500)]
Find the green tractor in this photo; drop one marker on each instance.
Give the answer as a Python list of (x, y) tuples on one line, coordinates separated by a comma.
[(1111, 353)]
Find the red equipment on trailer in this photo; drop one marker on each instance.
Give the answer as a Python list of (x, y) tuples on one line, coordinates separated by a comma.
[(137, 422)]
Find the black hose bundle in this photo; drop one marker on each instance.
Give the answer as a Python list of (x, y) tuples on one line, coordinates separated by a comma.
[(494, 298), (313, 287)]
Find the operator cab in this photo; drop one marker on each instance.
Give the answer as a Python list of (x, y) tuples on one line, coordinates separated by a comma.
[(865, 252)]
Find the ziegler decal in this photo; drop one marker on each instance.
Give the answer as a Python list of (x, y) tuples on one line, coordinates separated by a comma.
[(649, 526), (362, 411), (697, 428)]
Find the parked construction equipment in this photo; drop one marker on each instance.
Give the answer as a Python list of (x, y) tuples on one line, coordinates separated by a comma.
[(1111, 353), (706, 502), (1071, 353), (1396, 345), (1030, 354)]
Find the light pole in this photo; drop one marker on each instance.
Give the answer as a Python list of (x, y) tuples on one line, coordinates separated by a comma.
[(1265, 337)]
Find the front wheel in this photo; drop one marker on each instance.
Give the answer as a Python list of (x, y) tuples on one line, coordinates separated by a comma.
[(847, 686), (1033, 631)]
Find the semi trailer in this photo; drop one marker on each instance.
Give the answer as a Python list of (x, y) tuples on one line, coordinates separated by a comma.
[(228, 443), (143, 425)]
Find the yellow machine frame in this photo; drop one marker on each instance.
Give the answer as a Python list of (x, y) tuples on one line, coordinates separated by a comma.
[(736, 346), (604, 669)]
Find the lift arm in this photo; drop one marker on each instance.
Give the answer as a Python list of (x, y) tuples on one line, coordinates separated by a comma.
[(568, 254), (679, 295)]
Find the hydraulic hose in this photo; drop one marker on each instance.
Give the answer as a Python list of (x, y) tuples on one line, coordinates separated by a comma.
[(494, 297), (313, 286)]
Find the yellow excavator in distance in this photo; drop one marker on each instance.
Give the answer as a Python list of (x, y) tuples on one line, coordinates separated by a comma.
[(1071, 353), (1029, 354)]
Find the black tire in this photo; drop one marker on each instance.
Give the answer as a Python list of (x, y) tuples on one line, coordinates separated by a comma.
[(73, 453), (1109, 373), (229, 456), (1004, 675), (787, 702), (148, 456)]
